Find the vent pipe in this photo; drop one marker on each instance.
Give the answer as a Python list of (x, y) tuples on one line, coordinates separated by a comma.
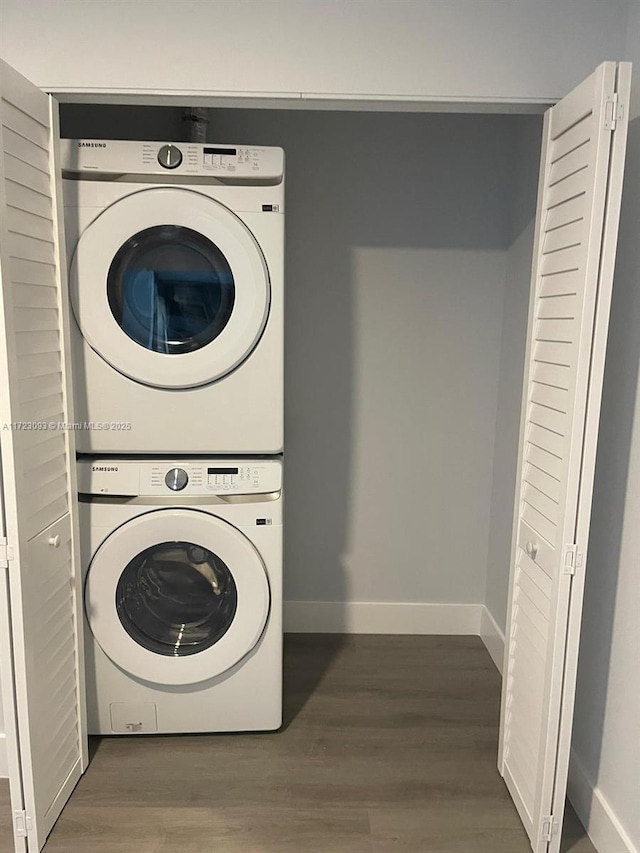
[(197, 119)]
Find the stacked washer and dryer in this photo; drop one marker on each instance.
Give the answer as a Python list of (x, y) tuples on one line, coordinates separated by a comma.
[(177, 290)]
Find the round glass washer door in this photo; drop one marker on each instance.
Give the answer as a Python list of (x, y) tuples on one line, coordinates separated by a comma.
[(170, 288), (176, 596)]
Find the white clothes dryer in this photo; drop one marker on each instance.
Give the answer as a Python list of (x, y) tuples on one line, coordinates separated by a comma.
[(176, 281), (182, 563)]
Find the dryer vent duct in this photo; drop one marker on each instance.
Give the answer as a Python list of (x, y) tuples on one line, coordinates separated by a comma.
[(197, 120)]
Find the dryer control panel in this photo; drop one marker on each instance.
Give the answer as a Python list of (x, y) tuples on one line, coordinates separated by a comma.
[(244, 163), (193, 477)]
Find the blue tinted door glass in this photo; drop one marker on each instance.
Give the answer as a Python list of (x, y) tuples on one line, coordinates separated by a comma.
[(170, 289)]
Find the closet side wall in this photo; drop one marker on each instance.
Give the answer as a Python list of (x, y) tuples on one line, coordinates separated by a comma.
[(524, 178), (605, 772)]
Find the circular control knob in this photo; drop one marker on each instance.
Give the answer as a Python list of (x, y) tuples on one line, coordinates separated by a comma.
[(176, 479), (169, 156)]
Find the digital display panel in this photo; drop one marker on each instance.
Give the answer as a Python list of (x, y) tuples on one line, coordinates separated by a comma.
[(231, 152), (222, 471)]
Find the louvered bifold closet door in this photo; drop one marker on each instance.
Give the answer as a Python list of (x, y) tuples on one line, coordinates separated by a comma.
[(38, 460), (576, 224)]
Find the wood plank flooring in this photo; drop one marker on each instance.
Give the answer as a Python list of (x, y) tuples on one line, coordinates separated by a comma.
[(389, 744)]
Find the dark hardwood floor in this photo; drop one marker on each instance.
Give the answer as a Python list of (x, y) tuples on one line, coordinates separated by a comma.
[(389, 744)]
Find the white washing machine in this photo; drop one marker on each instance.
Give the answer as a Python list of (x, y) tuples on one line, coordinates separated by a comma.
[(176, 279), (183, 594)]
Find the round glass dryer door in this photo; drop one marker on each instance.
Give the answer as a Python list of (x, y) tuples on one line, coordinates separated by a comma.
[(170, 288), (176, 596)]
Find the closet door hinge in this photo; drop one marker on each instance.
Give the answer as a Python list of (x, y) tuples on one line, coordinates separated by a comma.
[(613, 111), (573, 559), (6, 553), (549, 828), (22, 823)]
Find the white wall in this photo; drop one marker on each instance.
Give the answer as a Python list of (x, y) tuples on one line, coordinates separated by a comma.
[(514, 329), (430, 49), (397, 227), (605, 779)]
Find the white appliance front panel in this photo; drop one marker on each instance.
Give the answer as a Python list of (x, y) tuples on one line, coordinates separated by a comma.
[(179, 477), (182, 159), (247, 697), (241, 413)]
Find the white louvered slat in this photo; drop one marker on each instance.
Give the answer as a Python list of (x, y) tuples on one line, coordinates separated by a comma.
[(572, 163), (38, 477), (39, 364), (541, 503), (536, 570), (543, 481), (43, 410), (558, 307), (36, 388), (556, 353), (576, 136), (571, 187), (26, 176), (549, 395), (545, 461), (39, 453), (27, 200), (36, 319), (30, 296), (30, 128), (47, 472), (565, 236), (32, 155), (556, 331), (525, 625), (535, 595), (551, 375), (560, 284), (545, 439), (571, 211), (33, 439), (28, 249), (29, 225), (548, 418), (568, 310), (51, 500), (31, 272), (562, 261), (29, 344), (528, 658)]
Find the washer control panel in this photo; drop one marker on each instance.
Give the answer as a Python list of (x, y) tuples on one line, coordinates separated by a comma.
[(122, 157), (194, 477)]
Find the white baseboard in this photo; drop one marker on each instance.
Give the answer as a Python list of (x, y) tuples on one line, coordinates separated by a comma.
[(595, 813), (4, 767), (365, 617), (493, 638)]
